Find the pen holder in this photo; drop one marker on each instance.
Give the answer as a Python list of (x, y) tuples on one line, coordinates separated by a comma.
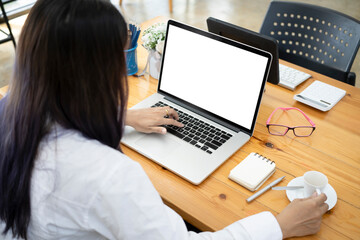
[(131, 60)]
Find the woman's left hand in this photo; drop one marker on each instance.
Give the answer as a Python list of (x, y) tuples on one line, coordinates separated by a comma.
[(150, 120)]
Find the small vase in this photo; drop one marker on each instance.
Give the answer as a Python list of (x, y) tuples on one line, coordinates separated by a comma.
[(154, 64)]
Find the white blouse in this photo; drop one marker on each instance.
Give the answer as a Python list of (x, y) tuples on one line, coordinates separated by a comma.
[(82, 189)]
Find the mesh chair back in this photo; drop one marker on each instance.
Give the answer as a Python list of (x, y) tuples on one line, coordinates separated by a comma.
[(314, 37)]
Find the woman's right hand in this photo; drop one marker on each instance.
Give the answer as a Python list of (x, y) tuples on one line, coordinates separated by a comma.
[(151, 120), (303, 216)]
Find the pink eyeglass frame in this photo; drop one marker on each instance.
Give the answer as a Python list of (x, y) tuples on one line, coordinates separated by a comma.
[(290, 128)]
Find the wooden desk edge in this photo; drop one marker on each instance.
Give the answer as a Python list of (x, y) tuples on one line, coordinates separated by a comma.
[(3, 91)]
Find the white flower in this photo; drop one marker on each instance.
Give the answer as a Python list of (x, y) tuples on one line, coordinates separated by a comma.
[(153, 37), (145, 39), (160, 46)]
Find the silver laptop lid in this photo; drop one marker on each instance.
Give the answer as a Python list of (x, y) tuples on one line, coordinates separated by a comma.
[(217, 77)]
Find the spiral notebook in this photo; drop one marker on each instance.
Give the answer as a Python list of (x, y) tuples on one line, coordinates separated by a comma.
[(253, 171)]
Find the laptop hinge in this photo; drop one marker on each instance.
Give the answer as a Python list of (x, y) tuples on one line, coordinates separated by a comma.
[(204, 114)]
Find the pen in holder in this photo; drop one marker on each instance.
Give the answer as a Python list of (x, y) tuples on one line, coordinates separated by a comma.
[(131, 60), (131, 53)]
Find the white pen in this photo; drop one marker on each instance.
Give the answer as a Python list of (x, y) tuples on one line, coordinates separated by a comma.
[(264, 189), (314, 101)]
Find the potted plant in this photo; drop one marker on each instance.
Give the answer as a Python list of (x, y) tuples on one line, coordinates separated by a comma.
[(153, 40)]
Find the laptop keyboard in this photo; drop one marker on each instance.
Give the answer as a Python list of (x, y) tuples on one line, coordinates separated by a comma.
[(197, 132)]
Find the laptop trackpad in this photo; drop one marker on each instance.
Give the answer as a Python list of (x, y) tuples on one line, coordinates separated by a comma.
[(157, 144)]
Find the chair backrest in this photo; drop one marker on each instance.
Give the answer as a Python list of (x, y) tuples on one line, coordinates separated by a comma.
[(320, 39)]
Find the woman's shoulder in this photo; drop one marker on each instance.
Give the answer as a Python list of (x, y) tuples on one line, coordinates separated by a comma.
[(76, 158), (74, 145)]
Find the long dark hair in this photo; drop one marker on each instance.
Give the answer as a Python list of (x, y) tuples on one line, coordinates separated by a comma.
[(70, 69)]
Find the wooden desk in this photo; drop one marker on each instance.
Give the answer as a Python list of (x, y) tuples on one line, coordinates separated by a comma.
[(3, 90), (334, 149)]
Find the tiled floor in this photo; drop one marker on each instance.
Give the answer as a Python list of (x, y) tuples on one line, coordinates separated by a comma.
[(245, 13)]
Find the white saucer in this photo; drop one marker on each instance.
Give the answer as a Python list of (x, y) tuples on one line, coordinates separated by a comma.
[(299, 193)]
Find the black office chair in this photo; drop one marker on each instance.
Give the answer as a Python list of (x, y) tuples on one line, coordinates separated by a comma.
[(317, 38), (9, 36)]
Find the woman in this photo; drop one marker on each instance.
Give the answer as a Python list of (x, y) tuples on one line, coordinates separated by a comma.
[(62, 172)]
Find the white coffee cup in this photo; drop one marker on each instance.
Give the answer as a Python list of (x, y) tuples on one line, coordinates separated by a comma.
[(314, 181)]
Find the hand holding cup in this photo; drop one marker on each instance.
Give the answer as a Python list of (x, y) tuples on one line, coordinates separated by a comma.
[(314, 181)]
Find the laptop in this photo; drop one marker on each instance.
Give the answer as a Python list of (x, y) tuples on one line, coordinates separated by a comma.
[(251, 38), (216, 85)]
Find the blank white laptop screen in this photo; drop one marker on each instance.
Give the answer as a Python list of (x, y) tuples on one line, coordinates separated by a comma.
[(210, 74)]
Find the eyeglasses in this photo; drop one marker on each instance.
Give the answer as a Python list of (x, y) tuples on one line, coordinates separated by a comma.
[(281, 130)]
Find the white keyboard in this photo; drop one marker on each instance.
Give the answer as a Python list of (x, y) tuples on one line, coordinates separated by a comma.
[(290, 78)]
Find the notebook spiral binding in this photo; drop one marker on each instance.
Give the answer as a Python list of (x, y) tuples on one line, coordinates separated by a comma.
[(264, 158)]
